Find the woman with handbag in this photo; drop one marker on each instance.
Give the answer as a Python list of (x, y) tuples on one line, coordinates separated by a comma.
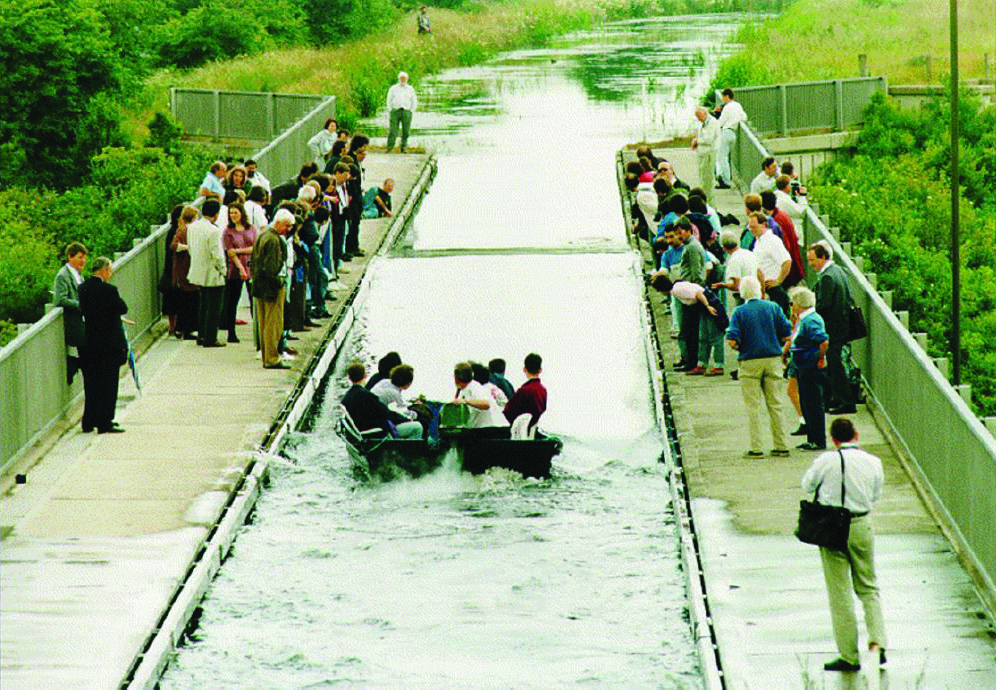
[(849, 477)]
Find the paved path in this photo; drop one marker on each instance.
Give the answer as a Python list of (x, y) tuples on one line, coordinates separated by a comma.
[(97, 540), (765, 588)]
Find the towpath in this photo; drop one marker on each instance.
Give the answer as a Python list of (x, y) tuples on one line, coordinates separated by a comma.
[(765, 589), (106, 527)]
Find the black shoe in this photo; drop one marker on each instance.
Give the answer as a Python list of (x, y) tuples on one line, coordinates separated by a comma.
[(780, 453), (200, 342), (87, 429), (801, 431), (735, 375), (281, 365), (841, 665), (810, 446), (347, 257), (311, 324), (881, 657), (233, 339), (358, 252), (112, 429), (722, 185), (292, 337), (843, 409), (191, 336)]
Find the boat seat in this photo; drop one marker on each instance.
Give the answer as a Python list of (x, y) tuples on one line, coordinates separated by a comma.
[(349, 429), (521, 431)]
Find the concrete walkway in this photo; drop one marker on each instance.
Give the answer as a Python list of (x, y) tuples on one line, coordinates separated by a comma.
[(98, 538), (765, 588)]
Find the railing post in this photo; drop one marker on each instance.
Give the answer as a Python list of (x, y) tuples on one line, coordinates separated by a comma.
[(863, 64), (942, 365), (921, 340), (172, 102), (990, 423), (887, 298), (217, 114), (271, 115), (783, 107), (904, 318), (838, 115)]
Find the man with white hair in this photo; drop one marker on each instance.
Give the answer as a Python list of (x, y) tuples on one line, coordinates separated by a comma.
[(704, 144), (401, 103), (269, 265), (808, 349), (758, 330)]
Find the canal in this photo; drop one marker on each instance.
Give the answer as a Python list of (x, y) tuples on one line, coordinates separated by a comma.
[(455, 580)]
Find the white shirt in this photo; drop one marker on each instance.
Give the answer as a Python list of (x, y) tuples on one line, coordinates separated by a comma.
[(482, 418), (321, 143), (863, 478), (742, 263), (390, 395), (207, 256), (258, 180), (770, 254), (732, 115), (762, 183), (399, 96), (256, 215), (76, 274), (498, 394), (796, 210), (708, 134), (343, 195), (646, 199), (685, 292)]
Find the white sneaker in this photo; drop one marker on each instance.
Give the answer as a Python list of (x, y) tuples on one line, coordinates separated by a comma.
[(286, 357)]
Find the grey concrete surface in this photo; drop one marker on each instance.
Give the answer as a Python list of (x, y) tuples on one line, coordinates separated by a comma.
[(765, 588), (96, 541)]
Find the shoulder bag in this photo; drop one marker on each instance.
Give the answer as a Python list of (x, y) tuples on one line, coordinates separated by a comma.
[(825, 525)]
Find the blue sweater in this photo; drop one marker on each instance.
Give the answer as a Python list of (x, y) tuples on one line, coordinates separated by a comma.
[(806, 344), (758, 327)]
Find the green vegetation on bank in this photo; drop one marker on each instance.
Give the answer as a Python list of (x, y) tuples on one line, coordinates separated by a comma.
[(821, 39), (891, 194)]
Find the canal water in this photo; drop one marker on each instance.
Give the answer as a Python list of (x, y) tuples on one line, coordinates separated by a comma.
[(454, 580)]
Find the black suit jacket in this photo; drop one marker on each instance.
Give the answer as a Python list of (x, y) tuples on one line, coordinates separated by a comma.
[(66, 295), (367, 411), (833, 297), (103, 308)]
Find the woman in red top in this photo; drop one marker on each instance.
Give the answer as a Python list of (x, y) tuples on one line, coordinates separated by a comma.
[(237, 240)]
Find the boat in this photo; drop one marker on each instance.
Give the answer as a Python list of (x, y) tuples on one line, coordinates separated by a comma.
[(529, 452)]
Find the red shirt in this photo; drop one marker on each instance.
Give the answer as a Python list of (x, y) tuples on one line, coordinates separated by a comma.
[(791, 242), (529, 399)]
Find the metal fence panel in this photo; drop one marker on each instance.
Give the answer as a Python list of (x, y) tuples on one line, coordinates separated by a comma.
[(763, 107), (289, 108), (195, 112), (283, 157), (810, 106), (244, 116), (239, 114), (856, 95)]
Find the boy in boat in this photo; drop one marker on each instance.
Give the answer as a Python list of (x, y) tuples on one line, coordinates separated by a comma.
[(484, 411), (367, 412), (531, 396)]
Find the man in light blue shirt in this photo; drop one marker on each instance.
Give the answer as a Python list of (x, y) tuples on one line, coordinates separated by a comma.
[(212, 186)]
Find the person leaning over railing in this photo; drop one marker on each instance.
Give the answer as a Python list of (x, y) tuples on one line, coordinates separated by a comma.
[(795, 209), (213, 186), (269, 263), (65, 294)]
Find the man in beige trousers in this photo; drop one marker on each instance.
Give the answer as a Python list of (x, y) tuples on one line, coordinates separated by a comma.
[(269, 263)]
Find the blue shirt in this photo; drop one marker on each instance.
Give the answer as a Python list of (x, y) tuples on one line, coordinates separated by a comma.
[(667, 220), (758, 327), (672, 257), (806, 343), (213, 184)]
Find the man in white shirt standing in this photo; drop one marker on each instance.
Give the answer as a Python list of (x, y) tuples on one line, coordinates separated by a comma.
[(401, 103), (862, 485), (765, 180), (704, 144), (484, 410), (773, 260), (794, 209), (207, 271), (729, 120)]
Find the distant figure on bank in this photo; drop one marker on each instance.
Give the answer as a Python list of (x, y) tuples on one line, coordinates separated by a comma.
[(65, 294), (758, 331), (377, 200), (731, 114), (423, 21), (484, 410), (367, 412), (269, 267), (384, 366), (105, 348), (207, 272), (531, 396), (855, 568), (401, 103), (497, 368), (704, 144)]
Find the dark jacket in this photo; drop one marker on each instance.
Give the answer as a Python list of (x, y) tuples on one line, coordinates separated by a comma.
[(529, 399), (269, 262), (102, 309), (832, 300), (506, 386), (367, 411), (66, 294)]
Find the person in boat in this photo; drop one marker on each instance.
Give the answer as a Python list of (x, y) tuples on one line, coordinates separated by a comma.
[(497, 368), (384, 366), (368, 412), (484, 411), (483, 376), (390, 391), (531, 396)]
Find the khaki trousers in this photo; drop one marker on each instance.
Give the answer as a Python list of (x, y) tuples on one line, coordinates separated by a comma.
[(854, 569), (707, 172), (271, 327), (763, 378)]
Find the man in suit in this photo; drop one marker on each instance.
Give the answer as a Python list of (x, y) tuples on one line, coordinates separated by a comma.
[(66, 295), (358, 151), (105, 345), (207, 271), (833, 297)]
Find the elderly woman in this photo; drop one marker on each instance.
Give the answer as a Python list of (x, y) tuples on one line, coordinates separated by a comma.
[(808, 347), (187, 298)]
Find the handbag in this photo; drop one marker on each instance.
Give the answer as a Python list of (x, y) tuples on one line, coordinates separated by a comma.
[(825, 525), (856, 329)]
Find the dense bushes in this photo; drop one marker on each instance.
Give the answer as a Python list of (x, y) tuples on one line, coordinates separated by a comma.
[(892, 198)]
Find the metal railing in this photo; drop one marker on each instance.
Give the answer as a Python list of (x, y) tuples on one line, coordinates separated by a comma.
[(246, 115), (948, 446), (808, 106), (283, 157)]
